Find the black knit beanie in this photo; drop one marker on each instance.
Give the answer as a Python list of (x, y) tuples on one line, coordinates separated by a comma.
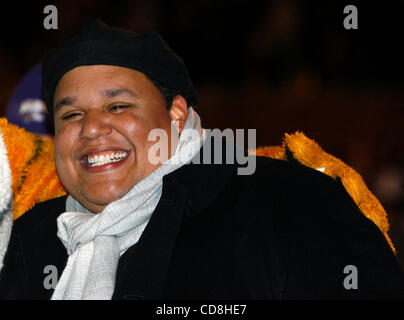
[(99, 43)]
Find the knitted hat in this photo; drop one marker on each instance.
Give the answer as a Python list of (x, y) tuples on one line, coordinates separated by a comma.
[(99, 43)]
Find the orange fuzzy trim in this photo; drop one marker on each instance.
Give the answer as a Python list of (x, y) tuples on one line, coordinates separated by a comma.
[(310, 154), (274, 152), (31, 160)]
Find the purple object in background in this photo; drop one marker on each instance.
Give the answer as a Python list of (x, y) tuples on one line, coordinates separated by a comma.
[(26, 107)]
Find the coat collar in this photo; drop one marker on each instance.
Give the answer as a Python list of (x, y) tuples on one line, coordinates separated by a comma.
[(202, 182)]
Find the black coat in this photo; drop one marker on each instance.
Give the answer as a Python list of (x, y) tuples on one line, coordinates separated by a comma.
[(285, 232)]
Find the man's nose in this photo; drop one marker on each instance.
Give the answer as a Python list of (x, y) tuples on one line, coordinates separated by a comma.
[(95, 124)]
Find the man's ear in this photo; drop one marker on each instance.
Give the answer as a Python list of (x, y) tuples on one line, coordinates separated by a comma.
[(179, 112)]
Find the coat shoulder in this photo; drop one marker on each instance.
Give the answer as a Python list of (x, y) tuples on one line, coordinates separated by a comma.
[(294, 193), (23, 273), (316, 230), (284, 175), (40, 216)]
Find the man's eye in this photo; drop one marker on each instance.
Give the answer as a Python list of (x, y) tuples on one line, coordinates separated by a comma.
[(118, 107), (71, 116)]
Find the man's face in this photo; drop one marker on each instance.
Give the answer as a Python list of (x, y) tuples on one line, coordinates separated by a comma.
[(103, 116)]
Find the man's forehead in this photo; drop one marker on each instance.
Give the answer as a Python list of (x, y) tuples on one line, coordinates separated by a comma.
[(97, 81), (106, 80)]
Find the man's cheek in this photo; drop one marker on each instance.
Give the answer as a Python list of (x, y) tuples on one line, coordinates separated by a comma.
[(58, 161), (64, 167)]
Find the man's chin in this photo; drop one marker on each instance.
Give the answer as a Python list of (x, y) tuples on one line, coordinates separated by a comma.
[(96, 195), (97, 202)]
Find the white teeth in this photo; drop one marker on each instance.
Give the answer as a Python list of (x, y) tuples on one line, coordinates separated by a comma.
[(101, 160)]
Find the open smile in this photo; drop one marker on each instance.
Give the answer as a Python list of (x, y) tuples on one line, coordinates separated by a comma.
[(102, 159), (98, 161)]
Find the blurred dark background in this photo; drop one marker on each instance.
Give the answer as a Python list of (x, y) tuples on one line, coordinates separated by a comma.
[(276, 66)]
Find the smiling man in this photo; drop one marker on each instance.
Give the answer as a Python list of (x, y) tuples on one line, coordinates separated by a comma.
[(103, 117), (132, 228)]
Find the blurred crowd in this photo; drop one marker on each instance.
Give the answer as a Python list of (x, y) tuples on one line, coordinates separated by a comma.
[(277, 66)]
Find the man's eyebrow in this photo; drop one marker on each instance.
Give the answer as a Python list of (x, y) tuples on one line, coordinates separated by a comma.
[(65, 102), (110, 93)]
